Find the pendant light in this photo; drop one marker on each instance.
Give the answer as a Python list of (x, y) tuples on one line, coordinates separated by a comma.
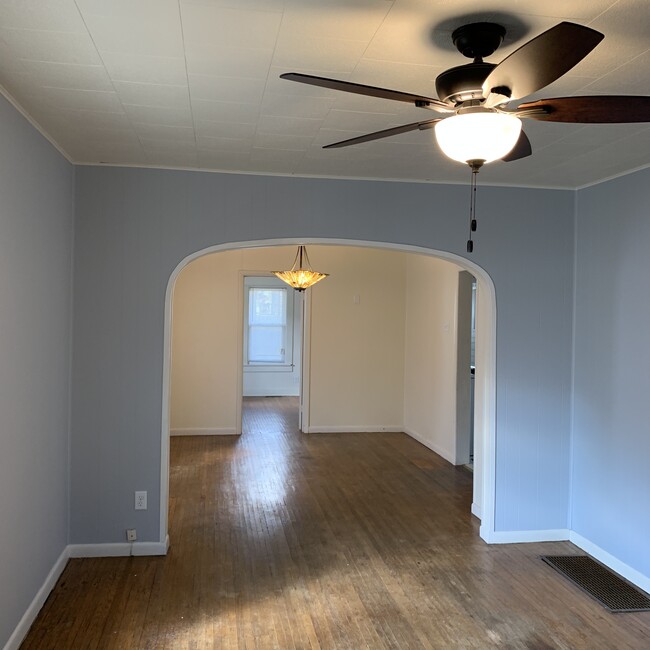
[(298, 276)]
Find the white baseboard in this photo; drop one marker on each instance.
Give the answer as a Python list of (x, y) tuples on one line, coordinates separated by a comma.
[(119, 549), (368, 428), (39, 600), (200, 431), (476, 510), (73, 551), (271, 393), (524, 536), (635, 577), (448, 456)]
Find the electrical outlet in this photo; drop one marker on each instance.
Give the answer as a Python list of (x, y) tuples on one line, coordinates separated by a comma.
[(131, 535), (141, 500)]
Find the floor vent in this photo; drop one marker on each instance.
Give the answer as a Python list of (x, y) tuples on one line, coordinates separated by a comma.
[(608, 588)]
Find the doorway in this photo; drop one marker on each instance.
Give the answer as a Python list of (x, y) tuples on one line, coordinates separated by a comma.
[(483, 504), (272, 342)]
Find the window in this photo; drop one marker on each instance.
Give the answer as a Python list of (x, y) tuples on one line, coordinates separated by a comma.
[(268, 312)]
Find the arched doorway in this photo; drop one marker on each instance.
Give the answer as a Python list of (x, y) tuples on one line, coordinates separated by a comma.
[(485, 379)]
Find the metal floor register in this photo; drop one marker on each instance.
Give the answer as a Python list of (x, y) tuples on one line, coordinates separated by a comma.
[(609, 589)]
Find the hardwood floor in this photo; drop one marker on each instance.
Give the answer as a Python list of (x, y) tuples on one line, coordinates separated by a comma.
[(291, 541)]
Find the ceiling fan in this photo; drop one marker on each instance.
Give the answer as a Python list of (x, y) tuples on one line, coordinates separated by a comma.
[(477, 126)]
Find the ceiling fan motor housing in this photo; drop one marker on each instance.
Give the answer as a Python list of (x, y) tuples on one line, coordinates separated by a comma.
[(462, 83)]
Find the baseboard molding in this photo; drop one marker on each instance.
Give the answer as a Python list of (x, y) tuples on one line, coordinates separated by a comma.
[(476, 510), (524, 536), (75, 551), (369, 428), (635, 577), (200, 431), (270, 393), (39, 600), (444, 453), (119, 549)]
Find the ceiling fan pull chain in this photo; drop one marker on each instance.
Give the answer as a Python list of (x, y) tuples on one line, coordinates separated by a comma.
[(472, 206)]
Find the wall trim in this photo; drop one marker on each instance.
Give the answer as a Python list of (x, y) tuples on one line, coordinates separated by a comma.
[(76, 551), (364, 428), (524, 536), (119, 549), (632, 575), (444, 453), (289, 392), (20, 632), (476, 510), (202, 431)]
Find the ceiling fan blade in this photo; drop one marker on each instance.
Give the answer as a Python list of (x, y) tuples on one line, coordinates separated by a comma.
[(377, 135), (539, 62), (370, 91), (598, 109), (522, 149)]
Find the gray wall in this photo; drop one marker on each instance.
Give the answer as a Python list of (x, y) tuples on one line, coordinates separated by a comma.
[(36, 194), (134, 226), (611, 441)]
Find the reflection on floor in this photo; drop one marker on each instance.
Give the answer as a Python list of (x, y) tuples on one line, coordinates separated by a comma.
[(293, 541)]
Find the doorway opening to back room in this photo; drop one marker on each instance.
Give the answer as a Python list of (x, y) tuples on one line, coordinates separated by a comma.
[(272, 350), (373, 348)]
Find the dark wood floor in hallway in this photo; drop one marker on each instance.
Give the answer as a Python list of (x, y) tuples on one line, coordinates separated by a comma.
[(335, 541)]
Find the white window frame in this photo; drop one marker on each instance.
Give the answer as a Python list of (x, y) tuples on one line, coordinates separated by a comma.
[(269, 282)]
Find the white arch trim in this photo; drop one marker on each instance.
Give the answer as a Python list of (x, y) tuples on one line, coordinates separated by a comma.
[(484, 381)]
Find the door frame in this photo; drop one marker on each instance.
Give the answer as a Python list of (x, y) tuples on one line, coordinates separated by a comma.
[(239, 399), (484, 501)]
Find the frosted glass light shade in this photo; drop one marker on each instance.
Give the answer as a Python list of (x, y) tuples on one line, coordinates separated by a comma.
[(299, 277), (483, 136)]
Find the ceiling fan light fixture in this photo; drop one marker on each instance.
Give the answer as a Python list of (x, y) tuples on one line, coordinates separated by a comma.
[(479, 134), (298, 276)]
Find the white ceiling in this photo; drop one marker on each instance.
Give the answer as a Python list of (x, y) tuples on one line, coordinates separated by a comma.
[(195, 83)]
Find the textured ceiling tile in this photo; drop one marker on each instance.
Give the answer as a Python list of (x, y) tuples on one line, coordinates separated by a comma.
[(364, 122), (283, 141), (69, 75), (57, 47), (631, 78), (289, 125), (224, 111), (220, 61), (209, 24), (301, 53), (151, 145), (46, 15), (352, 20), (153, 94), (159, 115), (223, 89), (162, 132), (241, 145), (87, 100), (309, 107), (225, 129), (287, 159), (145, 27), (145, 69)]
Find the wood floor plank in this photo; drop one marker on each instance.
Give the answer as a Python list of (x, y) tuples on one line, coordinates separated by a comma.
[(325, 542)]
